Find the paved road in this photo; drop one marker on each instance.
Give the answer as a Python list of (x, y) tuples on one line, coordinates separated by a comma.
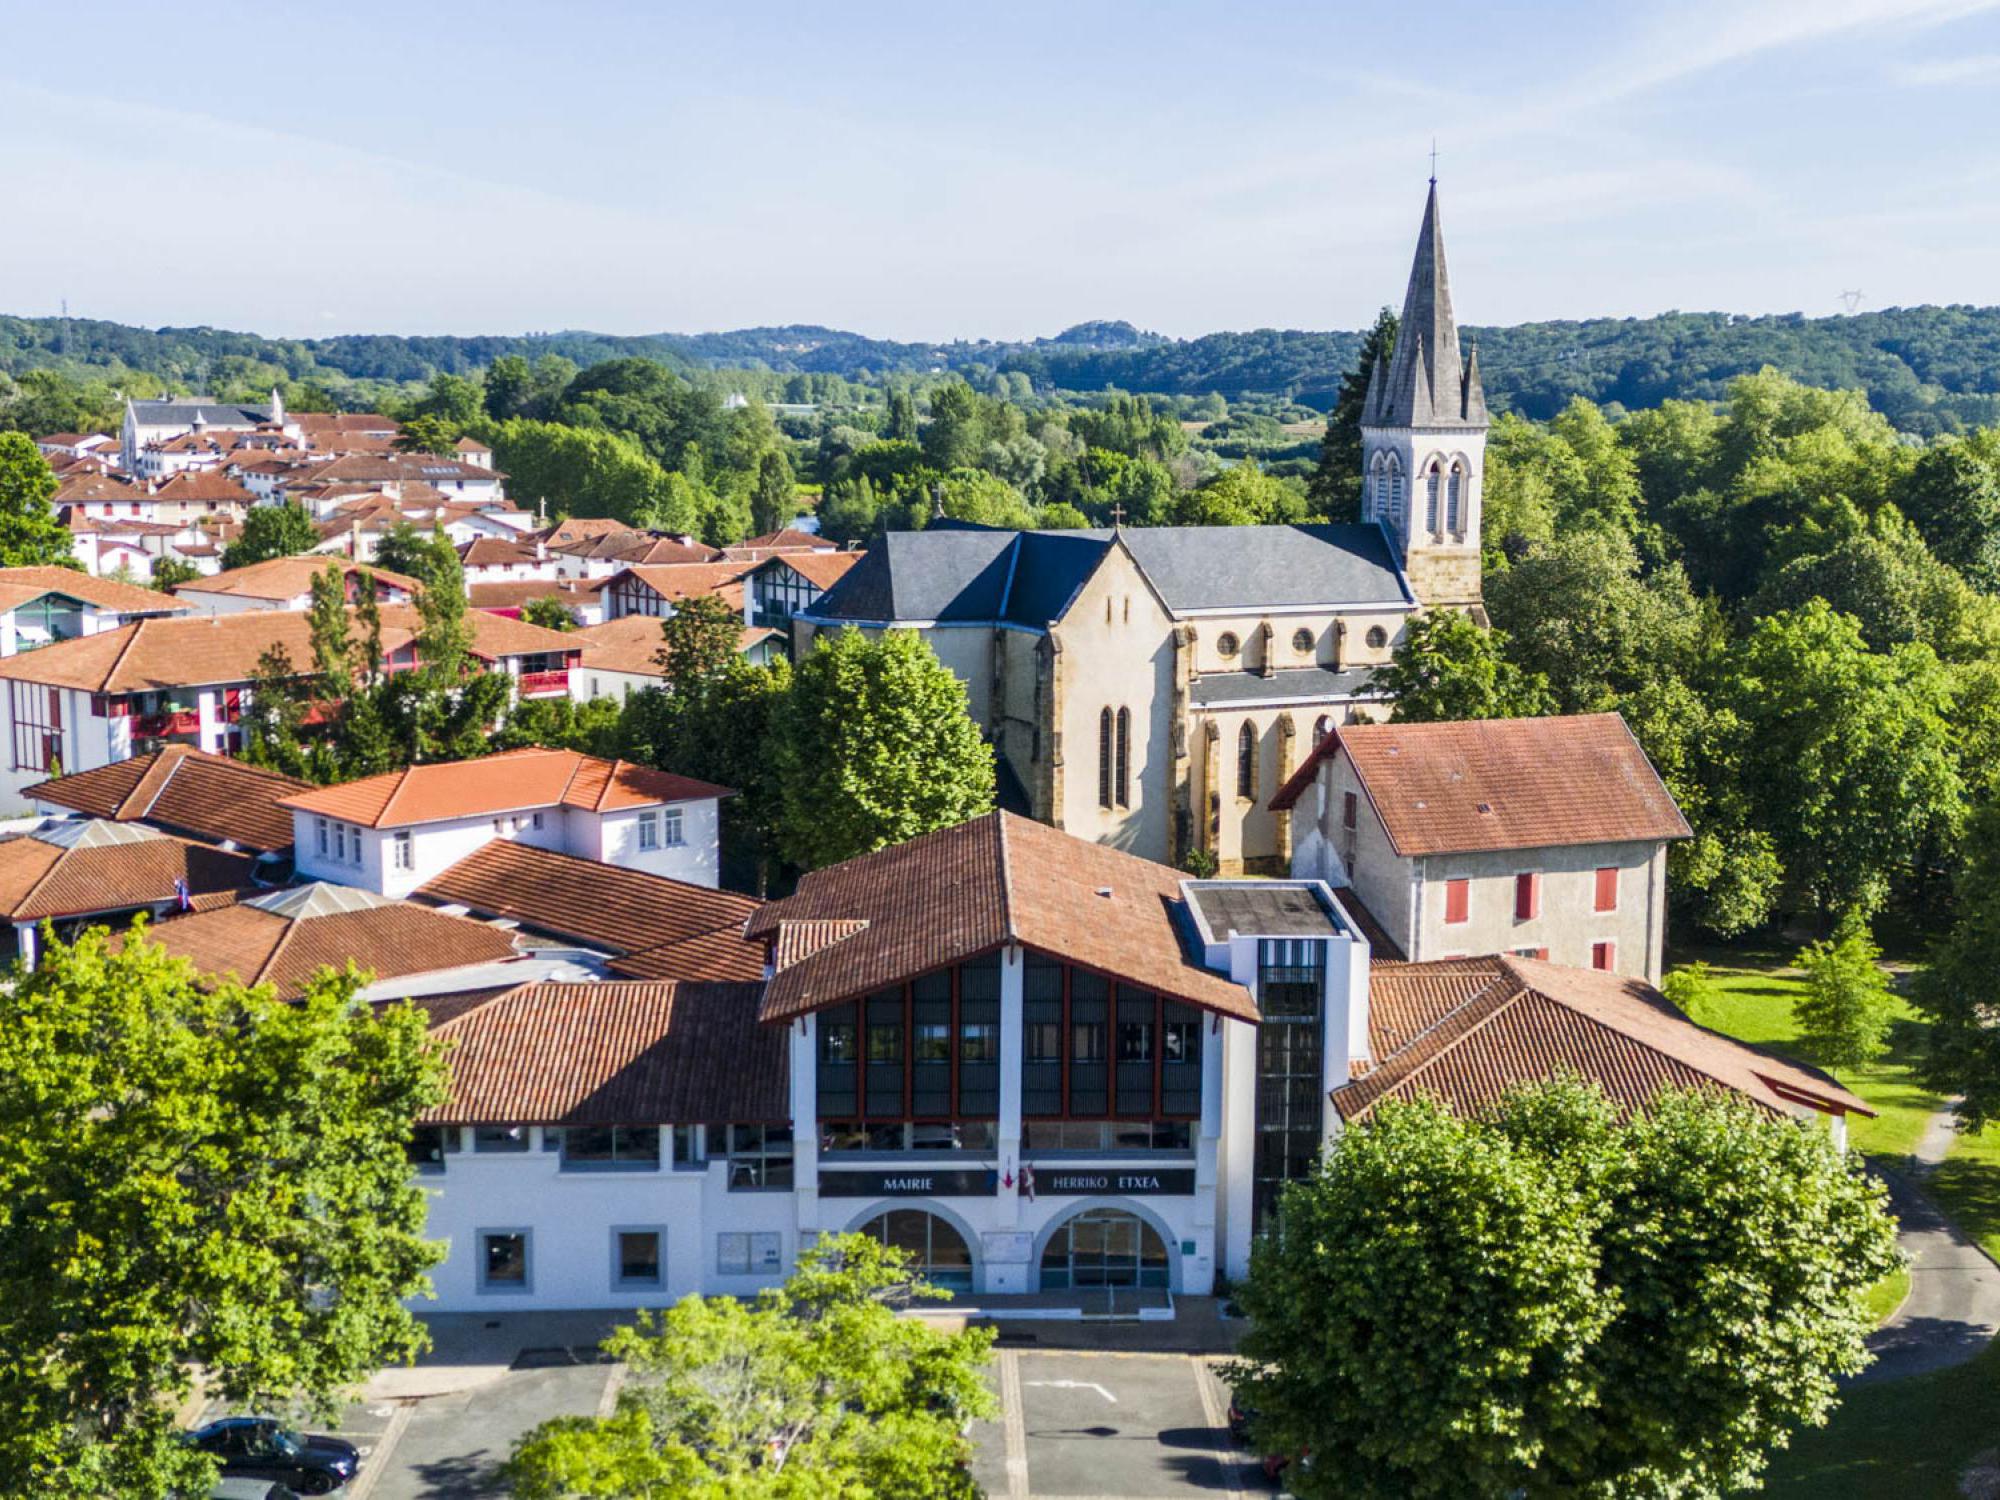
[(1953, 1310), (1109, 1426), (450, 1445)]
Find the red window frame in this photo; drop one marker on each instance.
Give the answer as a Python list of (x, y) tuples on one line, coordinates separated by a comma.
[(1457, 902), (1607, 889), (1604, 955), (1527, 895)]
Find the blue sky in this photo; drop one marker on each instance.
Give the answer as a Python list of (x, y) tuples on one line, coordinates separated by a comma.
[(955, 170)]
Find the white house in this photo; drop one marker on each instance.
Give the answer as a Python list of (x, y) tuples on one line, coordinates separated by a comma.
[(1543, 838), (286, 583), (395, 832), (40, 606)]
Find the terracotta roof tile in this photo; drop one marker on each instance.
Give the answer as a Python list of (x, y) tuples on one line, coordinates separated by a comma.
[(205, 487), (1501, 783), (512, 593), (1466, 1030), (615, 1054), (623, 911), (688, 580), (40, 880), (511, 781), (823, 569), (185, 791), (289, 577), (18, 586), (950, 895), (631, 644), (390, 941), (223, 649)]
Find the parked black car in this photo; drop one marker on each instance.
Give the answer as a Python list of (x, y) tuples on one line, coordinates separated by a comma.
[(264, 1448)]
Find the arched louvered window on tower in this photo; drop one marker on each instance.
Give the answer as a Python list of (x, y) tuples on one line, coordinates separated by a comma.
[(1104, 758), (1246, 762), (1395, 495), (1432, 479), (1121, 789), (1455, 501)]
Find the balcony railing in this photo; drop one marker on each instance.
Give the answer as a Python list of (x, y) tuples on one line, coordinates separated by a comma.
[(159, 726), (545, 684)]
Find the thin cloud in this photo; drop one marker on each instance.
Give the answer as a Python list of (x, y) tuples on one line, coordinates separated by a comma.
[(1946, 70)]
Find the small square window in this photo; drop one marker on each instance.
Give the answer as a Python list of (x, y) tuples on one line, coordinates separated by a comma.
[(499, 1139), (635, 1258), (503, 1260)]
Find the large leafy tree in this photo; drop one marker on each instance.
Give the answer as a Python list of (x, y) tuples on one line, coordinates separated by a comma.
[(1960, 987), (872, 746), (196, 1176), (817, 1388), (282, 530), (30, 534), (1449, 667), (1548, 1300), (1853, 773), (1952, 495), (1334, 490)]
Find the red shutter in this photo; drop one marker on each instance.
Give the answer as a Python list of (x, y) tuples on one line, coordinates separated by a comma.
[(1607, 888), (1542, 954), (1527, 896), (1457, 901), (1603, 955), (1348, 804)]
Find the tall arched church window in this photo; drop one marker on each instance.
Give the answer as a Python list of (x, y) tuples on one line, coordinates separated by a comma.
[(1104, 758), (1121, 776), (1455, 501), (1246, 761), (1432, 480)]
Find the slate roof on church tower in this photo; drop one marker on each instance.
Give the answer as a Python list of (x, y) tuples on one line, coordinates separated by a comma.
[(1425, 383)]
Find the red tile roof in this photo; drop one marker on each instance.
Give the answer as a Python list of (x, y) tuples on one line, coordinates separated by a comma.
[(656, 925), (948, 896), (41, 880), (224, 649), (19, 586), (822, 569), (1501, 783), (290, 577), (185, 791), (389, 939), (511, 781), (615, 1054), (1466, 1030)]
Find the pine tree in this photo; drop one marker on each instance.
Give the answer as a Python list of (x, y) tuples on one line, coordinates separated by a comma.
[(1334, 490), (1846, 1009)]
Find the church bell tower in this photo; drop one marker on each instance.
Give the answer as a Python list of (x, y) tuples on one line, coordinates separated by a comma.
[(1423, 438)]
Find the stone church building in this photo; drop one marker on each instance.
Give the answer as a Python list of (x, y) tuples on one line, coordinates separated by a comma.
[(1152, 687)]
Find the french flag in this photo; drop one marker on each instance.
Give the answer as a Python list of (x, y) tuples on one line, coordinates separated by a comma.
[(182, 894)]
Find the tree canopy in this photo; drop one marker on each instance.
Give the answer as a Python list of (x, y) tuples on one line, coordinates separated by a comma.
[(1549, 1300), (195, 1176)]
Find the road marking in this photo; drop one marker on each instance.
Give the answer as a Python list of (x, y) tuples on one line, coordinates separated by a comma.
[(1217, 1415), (608, 1402), (1013, 1425), (378, 1457), (1076, 1385)]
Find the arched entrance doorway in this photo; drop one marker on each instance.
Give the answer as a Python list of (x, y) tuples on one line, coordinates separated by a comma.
[(937, 1250), (1104, 1247)]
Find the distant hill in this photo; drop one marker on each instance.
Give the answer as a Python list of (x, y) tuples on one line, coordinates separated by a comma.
[(1928, 368)]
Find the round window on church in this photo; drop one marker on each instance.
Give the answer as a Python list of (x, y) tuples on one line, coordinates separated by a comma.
[(1227, 644), (1302, 641), (1377, 637)]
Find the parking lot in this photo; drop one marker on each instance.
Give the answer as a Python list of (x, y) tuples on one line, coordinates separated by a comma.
[(1111, 1426), (1099, 1423)]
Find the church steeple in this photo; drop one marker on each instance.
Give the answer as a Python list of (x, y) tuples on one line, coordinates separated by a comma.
[(1427, 386)]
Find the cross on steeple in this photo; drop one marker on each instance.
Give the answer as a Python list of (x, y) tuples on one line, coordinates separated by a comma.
[(1434, 160), (1117, 516)]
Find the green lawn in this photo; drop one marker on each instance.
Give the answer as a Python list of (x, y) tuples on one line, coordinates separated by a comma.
[(1754, 1004), (1887, 1294), (1967, 1184), (1912, 1439)]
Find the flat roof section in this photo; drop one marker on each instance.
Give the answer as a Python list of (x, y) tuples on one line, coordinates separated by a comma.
[(1263, 908)]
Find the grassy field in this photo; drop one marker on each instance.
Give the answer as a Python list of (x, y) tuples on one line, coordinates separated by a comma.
[(1755, 992), (1911, 1438)]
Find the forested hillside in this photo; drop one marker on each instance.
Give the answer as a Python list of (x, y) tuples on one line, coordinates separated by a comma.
[(1928, 369)]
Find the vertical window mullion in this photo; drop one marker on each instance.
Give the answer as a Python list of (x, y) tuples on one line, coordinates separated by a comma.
[(1068, 1040), (955, 1039), (1159, 1055)]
